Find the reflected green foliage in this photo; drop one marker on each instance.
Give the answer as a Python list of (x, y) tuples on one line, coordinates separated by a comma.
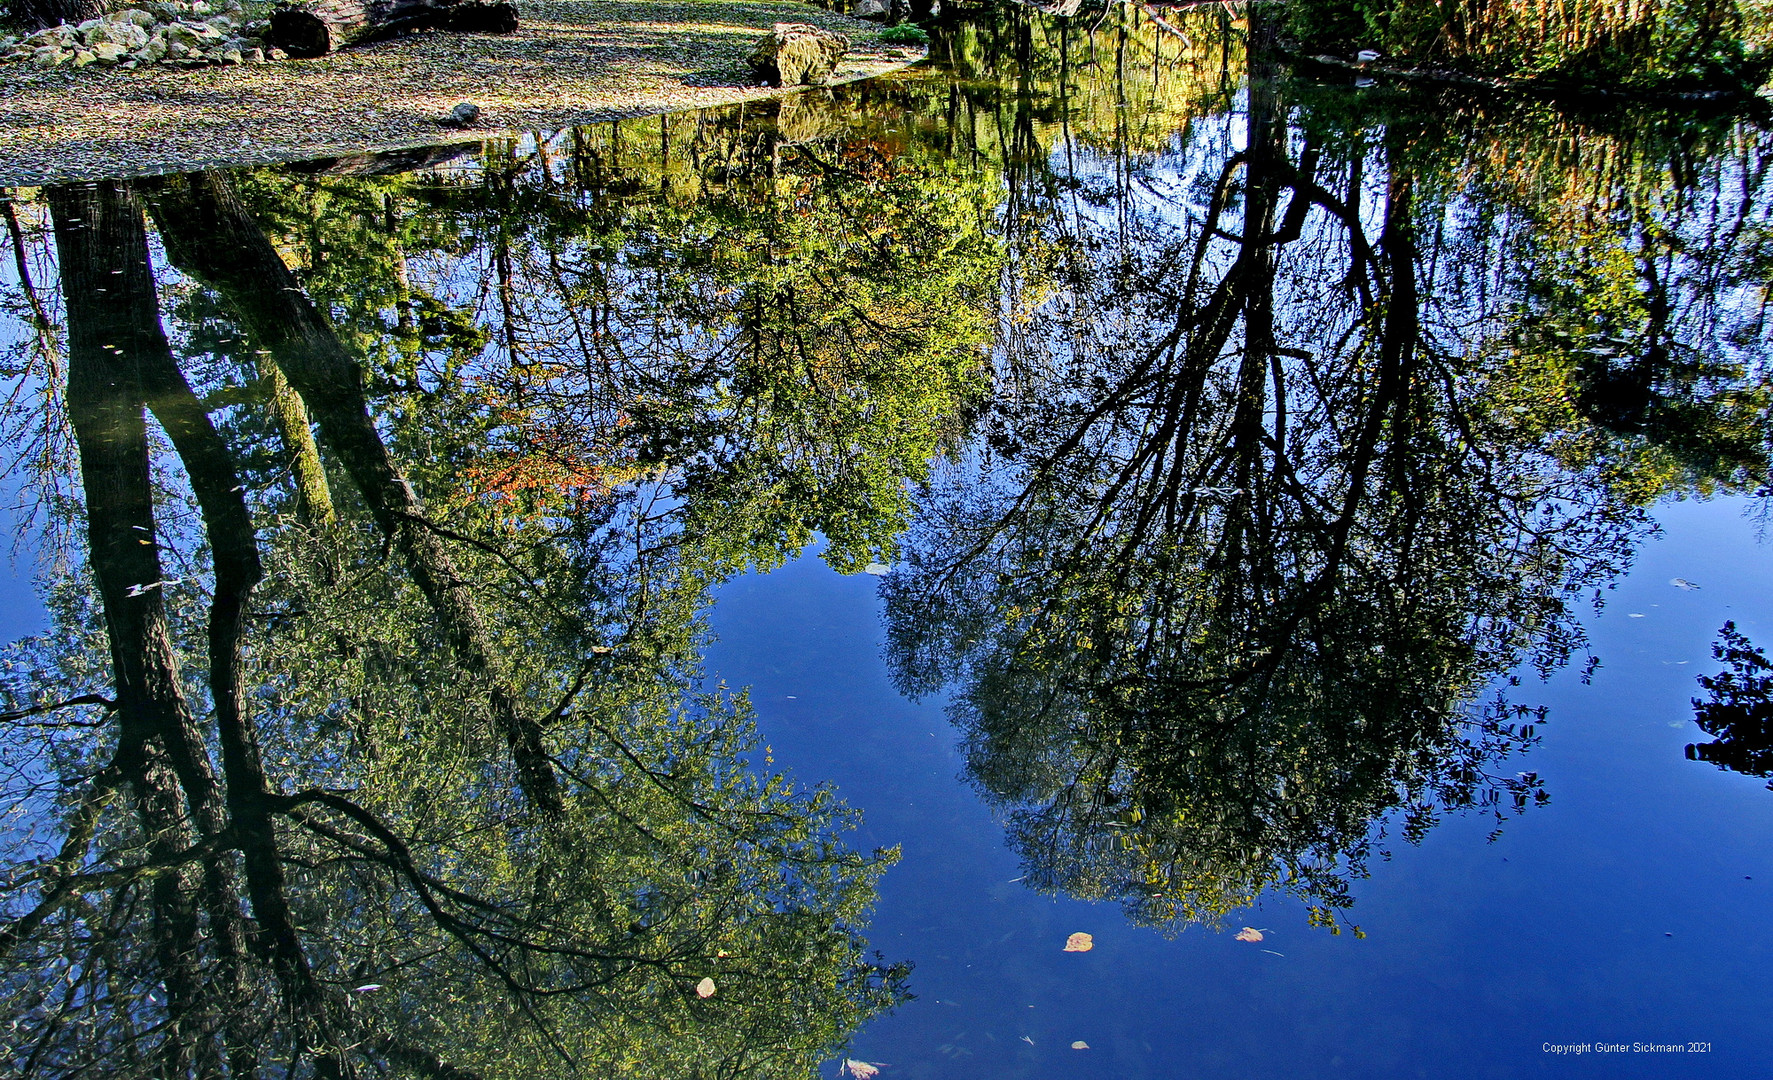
[(1030, 83), (779, 334), (675, 861), (460, 805), (1292, 458), (1689, 44), (1235, 442)]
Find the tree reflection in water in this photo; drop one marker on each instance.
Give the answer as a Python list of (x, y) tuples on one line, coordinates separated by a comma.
[(438, 790), (1307, 433), (371, 735), (1738, 708)]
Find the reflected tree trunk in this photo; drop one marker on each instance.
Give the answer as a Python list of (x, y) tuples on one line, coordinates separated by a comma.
[(114, 334), (314, 506), (210, 234), (120, 368), (119, 362)]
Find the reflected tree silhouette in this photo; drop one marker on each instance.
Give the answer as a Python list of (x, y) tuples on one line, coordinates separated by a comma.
[(1256, 527), (355, 835), (1738, 708), (1231, 451)]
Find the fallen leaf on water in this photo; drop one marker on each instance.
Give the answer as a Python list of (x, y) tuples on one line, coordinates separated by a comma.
[(705, 988), (1027, 1040), (1079, 943), (1249, 933), (1080, 1045), (1683, 583), (861, 1070)]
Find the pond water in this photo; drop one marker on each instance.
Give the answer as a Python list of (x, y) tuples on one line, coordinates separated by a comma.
[(1305, 539)]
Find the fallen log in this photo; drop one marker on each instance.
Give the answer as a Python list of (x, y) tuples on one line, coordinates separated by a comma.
[(385, 162), (317, 27)]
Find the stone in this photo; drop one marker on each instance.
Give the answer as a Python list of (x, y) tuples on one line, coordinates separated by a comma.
[(798, 53), (108, 53), (151, 53), (232, 56), (254, 56), (808, 117), (125, 34), (83, 58), (869, 9), (467, 114), (143, 19), (50, 56)]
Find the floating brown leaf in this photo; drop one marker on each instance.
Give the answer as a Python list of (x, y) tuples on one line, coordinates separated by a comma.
[(1249, 933), (705, 988), (861, 1070), (1080, 1045), (1079, 943)]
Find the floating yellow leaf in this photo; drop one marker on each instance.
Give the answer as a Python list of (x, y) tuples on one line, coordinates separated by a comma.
[(705, 988), (1079, 943), (861, 1070), (1249, 933), (1080, 1045)]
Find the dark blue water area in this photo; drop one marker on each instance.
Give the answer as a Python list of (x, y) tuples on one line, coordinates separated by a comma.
[(1633, 908)]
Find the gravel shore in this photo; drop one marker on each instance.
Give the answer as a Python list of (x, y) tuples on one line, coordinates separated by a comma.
[(572, 61)]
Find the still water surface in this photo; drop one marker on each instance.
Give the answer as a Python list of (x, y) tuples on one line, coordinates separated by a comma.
[(1273, 529)]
